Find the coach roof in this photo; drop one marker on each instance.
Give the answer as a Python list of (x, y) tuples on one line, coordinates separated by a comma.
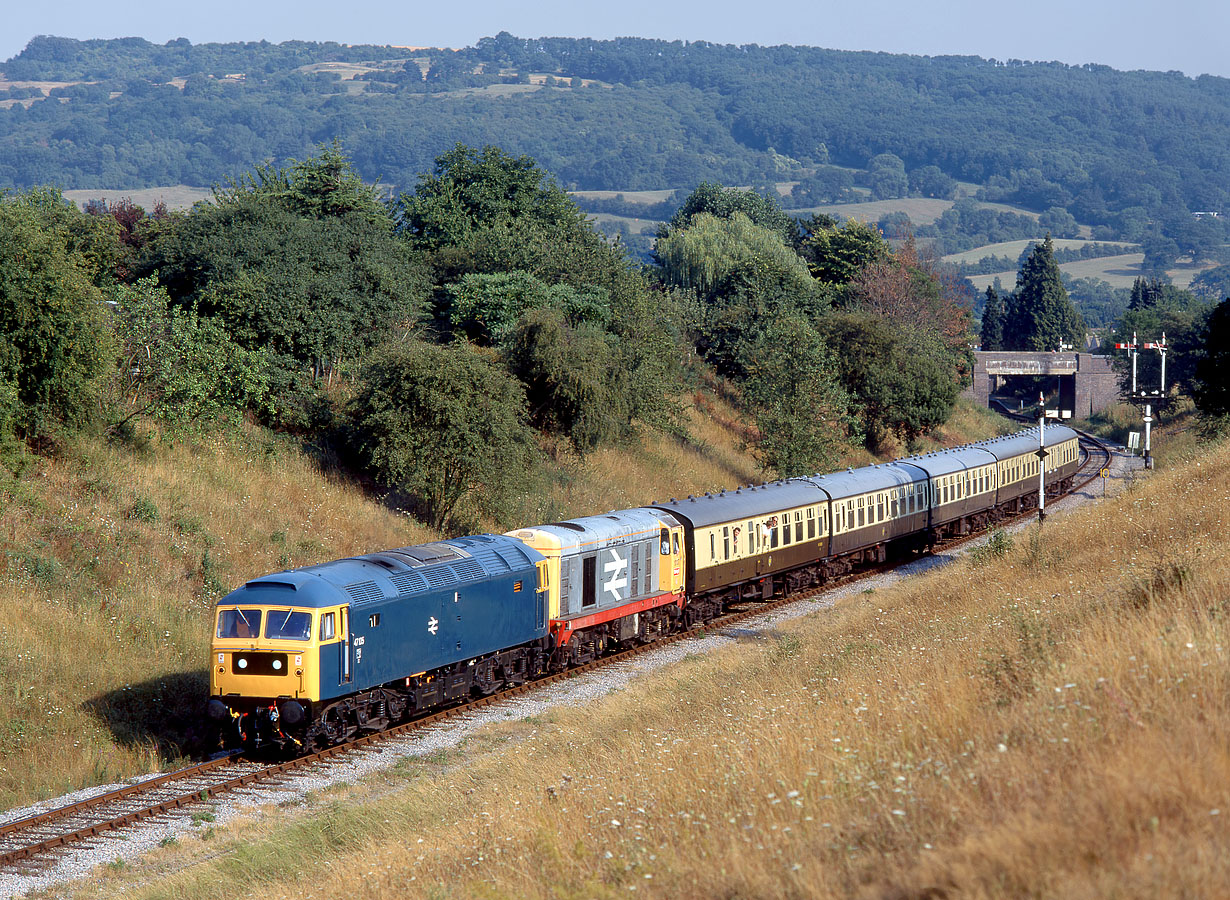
[(744, 502)]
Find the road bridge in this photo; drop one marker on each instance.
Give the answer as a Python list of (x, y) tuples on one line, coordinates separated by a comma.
[(1087, 382)]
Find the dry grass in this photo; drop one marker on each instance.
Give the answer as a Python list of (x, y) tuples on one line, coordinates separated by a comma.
[(635, 226), (1117, 271), (176, 196), (921, 210), (1051, 722), (646, 197), (113, 559), (1014, 248)]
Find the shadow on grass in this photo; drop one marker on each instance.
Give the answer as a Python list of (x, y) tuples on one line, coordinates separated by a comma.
[(167, 712)]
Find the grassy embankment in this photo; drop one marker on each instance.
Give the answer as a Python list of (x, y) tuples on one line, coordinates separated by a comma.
[(1048, 721), (113, 557)]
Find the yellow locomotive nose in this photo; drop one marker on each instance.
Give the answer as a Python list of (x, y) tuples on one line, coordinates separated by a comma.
[(263, 654)]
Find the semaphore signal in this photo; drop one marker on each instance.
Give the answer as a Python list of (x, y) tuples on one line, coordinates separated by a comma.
[(1139, 396)]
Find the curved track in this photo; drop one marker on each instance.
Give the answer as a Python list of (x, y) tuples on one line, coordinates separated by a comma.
[(34, 843)]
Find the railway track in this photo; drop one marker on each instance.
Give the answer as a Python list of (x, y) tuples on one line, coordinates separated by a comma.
[(35, 844)]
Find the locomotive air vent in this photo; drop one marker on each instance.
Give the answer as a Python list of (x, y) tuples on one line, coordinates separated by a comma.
[(524, 535)]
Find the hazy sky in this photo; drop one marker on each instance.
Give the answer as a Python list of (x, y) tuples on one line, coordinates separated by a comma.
[(1188, 35)]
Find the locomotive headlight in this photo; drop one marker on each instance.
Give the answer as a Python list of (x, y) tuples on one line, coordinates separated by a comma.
[(277, 665), (241, 662)]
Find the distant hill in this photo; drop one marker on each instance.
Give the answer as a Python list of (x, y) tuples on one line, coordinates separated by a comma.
[(1117, 149)]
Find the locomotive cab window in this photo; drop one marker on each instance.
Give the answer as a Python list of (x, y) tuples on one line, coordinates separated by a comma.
[(239, 623), (327, 627), (289, 625), (666, 542)]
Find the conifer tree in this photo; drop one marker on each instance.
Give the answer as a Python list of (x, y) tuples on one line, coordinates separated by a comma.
[(993, 321), (1040, 315)]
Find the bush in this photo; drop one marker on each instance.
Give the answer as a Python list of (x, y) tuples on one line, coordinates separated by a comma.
[(444, 424)]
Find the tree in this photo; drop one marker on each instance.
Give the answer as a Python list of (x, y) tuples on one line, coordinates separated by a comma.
[(1059, 221), (721, 202), (301, 261), (573, 383), (929, 181), (470, 190), (177, 367), (835, 254), (55, 345), (1040, 315), (1210, 382), (487, 306), (800, 409), (1213, 284), (1161, 309), (702, 255), (886, 177), (993, 321), (444, 424), (899, 379), (1160, 254)]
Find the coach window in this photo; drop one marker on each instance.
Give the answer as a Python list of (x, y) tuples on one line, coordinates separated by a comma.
[(713, 546), (811, 523), (726, 541), (798, 526), (751, 537), (880, 508), (860, 512)]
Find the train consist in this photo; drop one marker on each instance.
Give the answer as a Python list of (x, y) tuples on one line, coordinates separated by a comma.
[(314, 656)]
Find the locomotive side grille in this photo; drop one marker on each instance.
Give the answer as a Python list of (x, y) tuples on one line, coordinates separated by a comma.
[(439, 577), (511, 559), (364, 591), (409, 583), (469, 570)]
